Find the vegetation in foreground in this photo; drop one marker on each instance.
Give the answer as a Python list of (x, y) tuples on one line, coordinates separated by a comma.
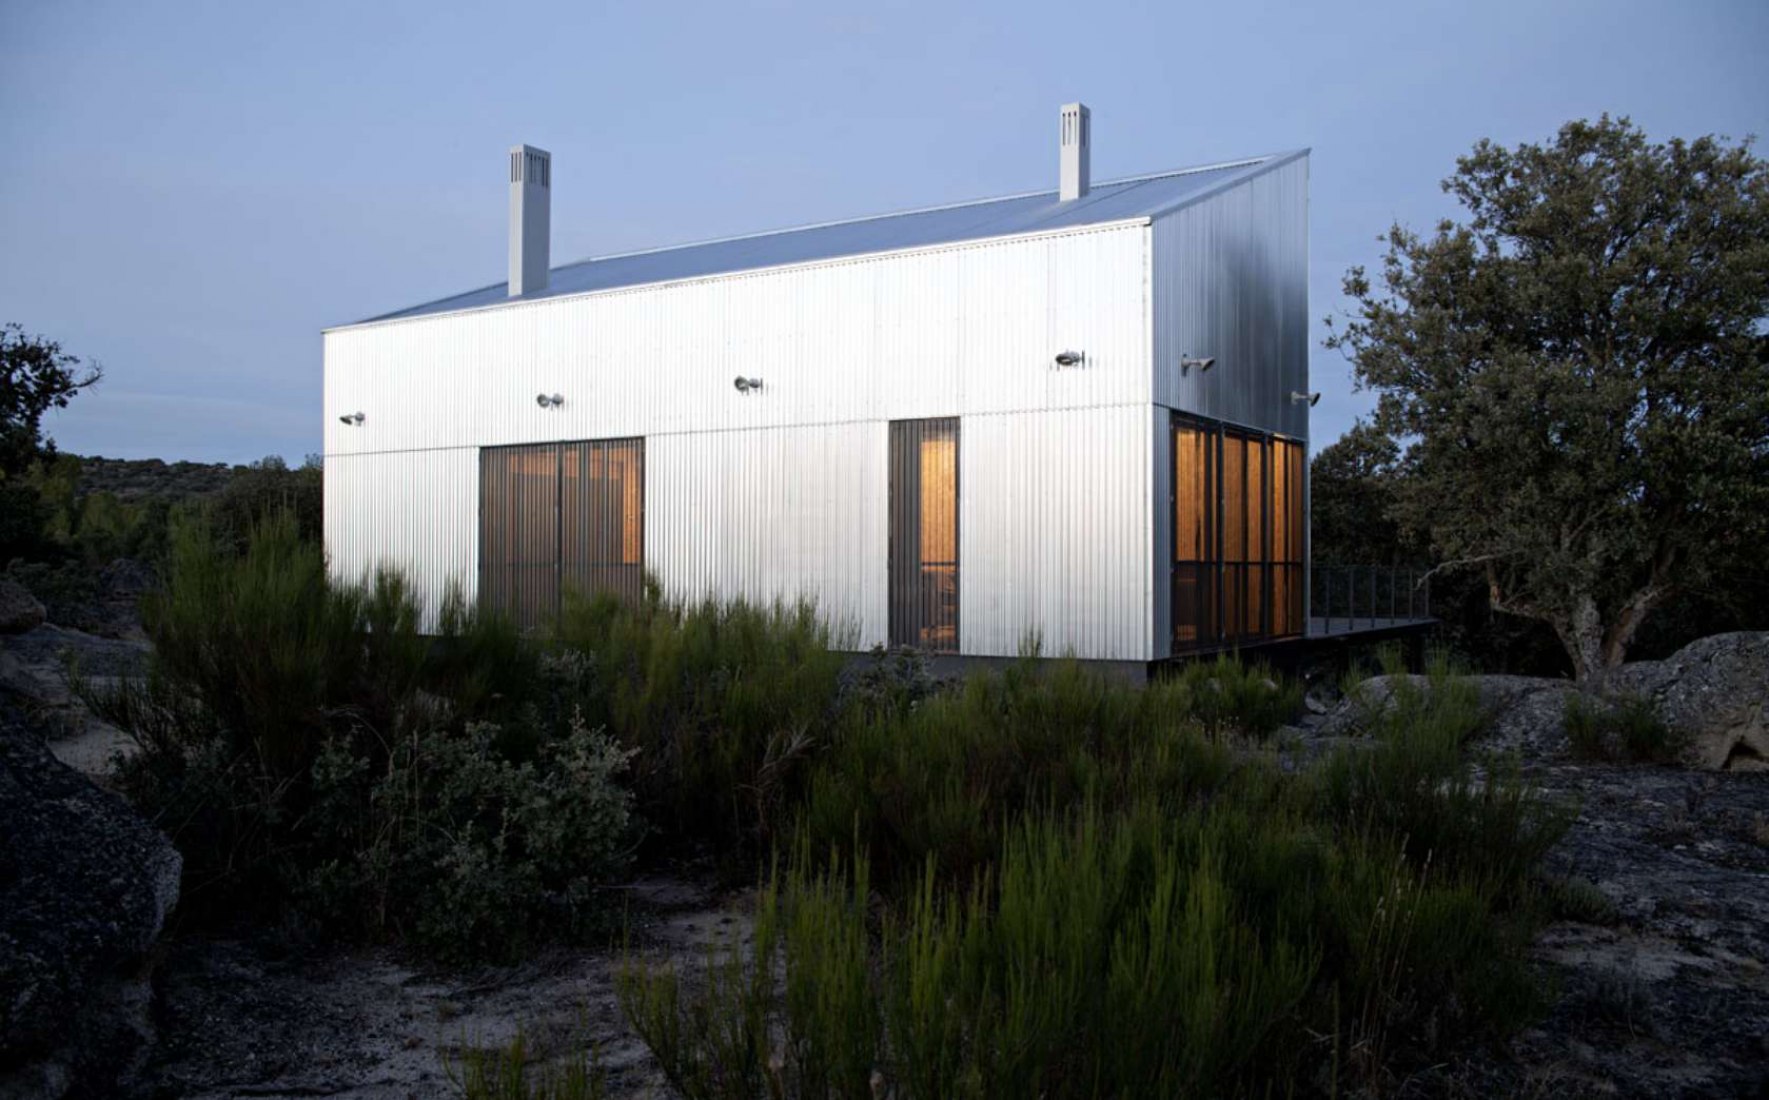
[(1040, 880), (1193, 921)]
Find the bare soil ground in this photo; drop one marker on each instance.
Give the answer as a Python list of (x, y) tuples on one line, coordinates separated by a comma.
[(243, 1019)]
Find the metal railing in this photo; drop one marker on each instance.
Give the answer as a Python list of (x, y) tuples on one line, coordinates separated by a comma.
[(1367, 597)]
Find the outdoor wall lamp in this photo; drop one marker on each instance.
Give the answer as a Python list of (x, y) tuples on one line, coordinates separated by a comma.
[(1187, 362), (1070, 358), (548, 401), (1313, 399), (353, 420), (746, 385)]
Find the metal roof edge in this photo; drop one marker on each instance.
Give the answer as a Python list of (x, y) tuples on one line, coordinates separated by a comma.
[(826, 261), (1146, 177), (1252, 171), (1240, 162)]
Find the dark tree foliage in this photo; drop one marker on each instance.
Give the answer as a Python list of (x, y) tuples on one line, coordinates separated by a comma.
[(1353, 486), (1577, 372), (35, 376)]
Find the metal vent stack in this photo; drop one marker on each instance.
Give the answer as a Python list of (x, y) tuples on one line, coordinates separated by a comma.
[(531, 190), (1076, 139)]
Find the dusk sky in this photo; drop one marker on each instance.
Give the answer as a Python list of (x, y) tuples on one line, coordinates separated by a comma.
[(193, 191)]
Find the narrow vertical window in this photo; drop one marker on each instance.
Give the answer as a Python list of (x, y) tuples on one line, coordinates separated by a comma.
[(924, 534), (1194, 536)]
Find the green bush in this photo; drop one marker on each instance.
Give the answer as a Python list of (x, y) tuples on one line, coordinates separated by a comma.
[(1625, 728), (463, 851), (943, 777), (1237, 948), (1048, 883), (1414, 783), (724, 703), (1229, 696), (514, 1072), (301, 741)]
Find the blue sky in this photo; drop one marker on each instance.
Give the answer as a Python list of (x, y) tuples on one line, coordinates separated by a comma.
[(192, 191)]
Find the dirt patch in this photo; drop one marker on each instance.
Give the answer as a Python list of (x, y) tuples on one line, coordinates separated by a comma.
[(239, 1018)]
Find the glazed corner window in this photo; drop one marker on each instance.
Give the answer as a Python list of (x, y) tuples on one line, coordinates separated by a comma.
[(557, 518), (1237, 535), (924, 534)]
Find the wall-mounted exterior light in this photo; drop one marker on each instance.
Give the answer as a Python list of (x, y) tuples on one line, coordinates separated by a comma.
[(548, 400), (1188, 363), (352, 420), (747, 385), (1313, 399), (1070, 358)]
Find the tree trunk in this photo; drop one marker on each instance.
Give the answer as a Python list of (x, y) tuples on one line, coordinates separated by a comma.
[(1583, 638), (1593, 648)]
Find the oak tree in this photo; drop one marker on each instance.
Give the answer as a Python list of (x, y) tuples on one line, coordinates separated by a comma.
[(1576, 371)]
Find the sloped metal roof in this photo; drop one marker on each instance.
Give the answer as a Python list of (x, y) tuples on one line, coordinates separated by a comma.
[(1116, 200)]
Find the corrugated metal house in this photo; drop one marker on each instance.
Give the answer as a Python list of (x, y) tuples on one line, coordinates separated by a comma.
[(1080, 414)]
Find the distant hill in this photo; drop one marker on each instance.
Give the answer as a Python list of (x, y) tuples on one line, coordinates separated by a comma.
[(134, 479)]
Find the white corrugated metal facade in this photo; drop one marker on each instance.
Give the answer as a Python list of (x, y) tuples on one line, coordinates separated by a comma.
[(783, 492)]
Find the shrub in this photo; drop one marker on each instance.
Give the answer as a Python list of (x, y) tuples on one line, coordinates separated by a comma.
[(1626, 728), (1081, 893), (1415, 784), (943, 778), (1229, 696), (724, 702), (463, 851), (513, 1072), (302, 742), (1124, 952)]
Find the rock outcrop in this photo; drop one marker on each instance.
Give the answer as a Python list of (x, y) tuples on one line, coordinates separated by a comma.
[(85, 887), (1714, 691), (19, 610), (1525, 713)]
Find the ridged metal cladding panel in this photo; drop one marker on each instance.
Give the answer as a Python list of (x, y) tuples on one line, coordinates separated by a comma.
[(416, 511), (954, 331), (774, 514), (1231, 281), (1161, 533), (1055, 533)]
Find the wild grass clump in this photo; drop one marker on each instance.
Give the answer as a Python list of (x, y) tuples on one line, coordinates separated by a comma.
[(309, 750), (1228, 696), (1626, 728), (723, 702), (942, 778), (514, 1072), (1243, 947), (1049, 883), (1415, 783)]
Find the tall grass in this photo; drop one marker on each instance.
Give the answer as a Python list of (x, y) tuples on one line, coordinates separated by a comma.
[(944, 779), (513, 1072), (1415, 783), (1625, 728), (724, 703), (311, 752), (1086, 894)]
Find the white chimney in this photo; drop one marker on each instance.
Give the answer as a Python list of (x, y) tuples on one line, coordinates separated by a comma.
[(531, 190), (1076, 141)]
